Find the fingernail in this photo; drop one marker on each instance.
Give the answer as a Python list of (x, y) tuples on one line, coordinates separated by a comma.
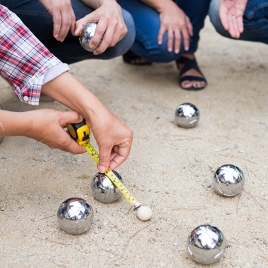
[(177, 51), (102, 169), (187, 48)]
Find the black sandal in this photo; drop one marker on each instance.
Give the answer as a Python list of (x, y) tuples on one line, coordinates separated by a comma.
[(188, 65), (131, 58)]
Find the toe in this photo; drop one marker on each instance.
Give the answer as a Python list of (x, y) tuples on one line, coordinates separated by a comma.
[(186, 84)]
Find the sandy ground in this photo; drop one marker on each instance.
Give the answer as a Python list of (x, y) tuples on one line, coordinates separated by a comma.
[(169, 168)]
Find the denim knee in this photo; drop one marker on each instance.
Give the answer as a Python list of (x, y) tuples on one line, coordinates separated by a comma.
[(215, 18), (129, 38)]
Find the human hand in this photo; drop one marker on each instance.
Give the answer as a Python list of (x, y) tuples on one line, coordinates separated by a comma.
[(47, 126), (231, 14), (114, 138), (63, 17), (110, 29), (175, 21)]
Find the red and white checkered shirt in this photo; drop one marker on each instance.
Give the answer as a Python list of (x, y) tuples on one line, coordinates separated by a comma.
[(24, 60)]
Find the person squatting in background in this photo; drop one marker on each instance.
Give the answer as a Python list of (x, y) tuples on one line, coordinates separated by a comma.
[(168, 31)]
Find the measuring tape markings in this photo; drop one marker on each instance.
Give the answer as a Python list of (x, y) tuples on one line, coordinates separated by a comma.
[(94, 154)]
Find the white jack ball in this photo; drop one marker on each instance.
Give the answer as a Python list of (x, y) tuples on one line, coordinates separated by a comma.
[(144, 213)]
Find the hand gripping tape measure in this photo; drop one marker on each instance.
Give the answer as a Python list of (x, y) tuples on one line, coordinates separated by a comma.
[(80, 132)]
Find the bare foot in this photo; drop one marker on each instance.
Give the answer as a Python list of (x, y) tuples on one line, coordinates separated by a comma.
[(190, 68)]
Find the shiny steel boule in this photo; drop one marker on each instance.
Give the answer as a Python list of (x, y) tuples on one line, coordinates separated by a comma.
[(186, 115), (228, 180), (206, 244), (86, 35), (75, 216), (104, 190)]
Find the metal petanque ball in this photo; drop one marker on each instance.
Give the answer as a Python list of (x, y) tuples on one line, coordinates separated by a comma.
[(104, 190), (206, 244), (86, 35), (228, 180), (186, 115), (75, 216)]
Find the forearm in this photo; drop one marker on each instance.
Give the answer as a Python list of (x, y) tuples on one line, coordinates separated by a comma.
[(15, 123), (67, 90)]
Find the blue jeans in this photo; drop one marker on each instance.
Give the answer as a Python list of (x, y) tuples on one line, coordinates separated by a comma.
[(39, 21), (255, 21), (147, 23)]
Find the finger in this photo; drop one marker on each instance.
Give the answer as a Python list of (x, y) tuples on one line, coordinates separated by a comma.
[(119, 155), (65, 26), (232, 26), (161, 33), (236, 31), (240, 25), (73, 20), (186, 38), (120, 32), (177, 44), (78, 27), (104, 162), (223, 12), (56, 24), (170, 39), (73, 27), (102, 36), (69, 145), (189, 26), (70, 117)]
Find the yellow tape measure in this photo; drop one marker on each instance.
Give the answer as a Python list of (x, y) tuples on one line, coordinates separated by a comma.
[(80, 133)]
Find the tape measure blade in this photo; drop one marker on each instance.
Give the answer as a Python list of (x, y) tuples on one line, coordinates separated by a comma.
[(92, 152), (123, 189)]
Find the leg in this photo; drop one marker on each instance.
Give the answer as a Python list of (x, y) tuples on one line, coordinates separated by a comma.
[(254, 19), (190, 75), (147, 24), (39, 21)]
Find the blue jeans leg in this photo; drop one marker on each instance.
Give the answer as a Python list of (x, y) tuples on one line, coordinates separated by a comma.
[(39, 21), (147, 24), (255, 21)]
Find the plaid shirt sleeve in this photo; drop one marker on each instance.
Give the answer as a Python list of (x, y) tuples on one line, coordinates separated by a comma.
[(24, 60)]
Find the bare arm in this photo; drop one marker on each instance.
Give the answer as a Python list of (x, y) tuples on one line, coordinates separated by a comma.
[(174, 21), (111, 27), (43, 125), (113, 137)]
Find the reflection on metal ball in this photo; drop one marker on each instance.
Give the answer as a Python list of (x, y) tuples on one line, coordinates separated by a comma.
[(206, 244), (104, 190), (75, 216), (186, 115), (228, 180), (86, 35)]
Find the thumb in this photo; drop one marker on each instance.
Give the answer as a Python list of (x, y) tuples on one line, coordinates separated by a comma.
[(71, 117), (79, 26), (104, 162)]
